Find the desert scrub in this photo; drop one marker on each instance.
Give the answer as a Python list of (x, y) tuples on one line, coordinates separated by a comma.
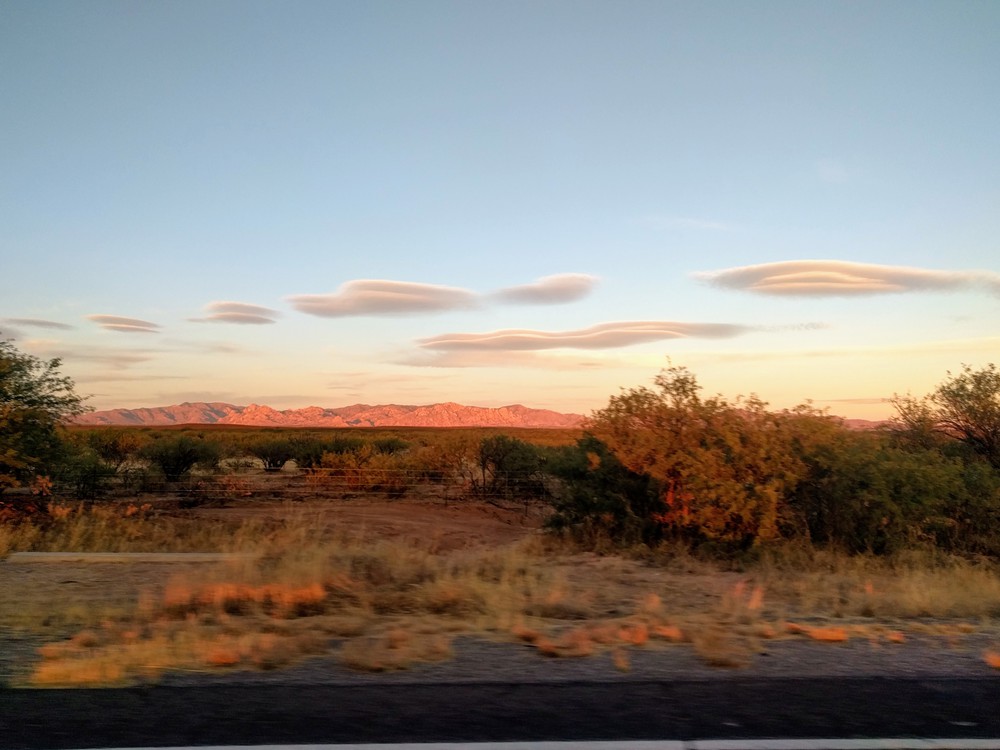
[(124, 527)]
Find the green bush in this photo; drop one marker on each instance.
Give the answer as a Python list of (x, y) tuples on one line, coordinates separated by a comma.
[(176, 455), (116, 447), (508, 468), (274, 452), (85, 475), (598, 498)]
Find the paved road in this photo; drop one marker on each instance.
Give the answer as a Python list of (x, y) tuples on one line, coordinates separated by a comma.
[(681, 710)]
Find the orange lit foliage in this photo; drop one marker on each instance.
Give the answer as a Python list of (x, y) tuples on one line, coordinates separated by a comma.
[(367, 470), (280, 600), (724, 469)]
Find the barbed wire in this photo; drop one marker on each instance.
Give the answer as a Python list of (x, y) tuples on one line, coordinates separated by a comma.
[(314, 483)]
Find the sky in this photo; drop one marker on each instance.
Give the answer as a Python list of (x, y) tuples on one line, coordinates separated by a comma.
[(537, 202)]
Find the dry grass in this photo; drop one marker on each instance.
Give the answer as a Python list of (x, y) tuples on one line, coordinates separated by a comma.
[(821, 583), (122, 527), (384, 604)]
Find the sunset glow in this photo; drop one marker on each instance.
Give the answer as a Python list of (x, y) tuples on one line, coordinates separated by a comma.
[(328, 203)]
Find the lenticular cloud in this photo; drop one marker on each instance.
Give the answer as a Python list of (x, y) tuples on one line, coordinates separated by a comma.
[(39, 323), (602, 336), (125, 325), (380, 297), (827, 278), (242, 313), (550, 290)]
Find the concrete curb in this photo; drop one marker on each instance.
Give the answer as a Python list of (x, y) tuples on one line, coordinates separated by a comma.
[(776, 744)]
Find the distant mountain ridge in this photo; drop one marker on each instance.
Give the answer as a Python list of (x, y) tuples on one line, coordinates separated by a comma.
[(357, 415)]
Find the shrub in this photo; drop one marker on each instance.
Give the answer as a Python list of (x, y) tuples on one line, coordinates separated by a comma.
[(507, 468), (390, 445), (176, 455), (116, 447), (308, 450), (723, 469), (274, 452), (85, 475), (597, 497), (366, 470)]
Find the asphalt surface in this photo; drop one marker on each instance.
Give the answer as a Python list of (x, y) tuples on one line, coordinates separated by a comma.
[(928, 687), (683, 710)]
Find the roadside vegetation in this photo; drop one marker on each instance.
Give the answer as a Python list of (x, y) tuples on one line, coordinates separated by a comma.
[(673, 518)]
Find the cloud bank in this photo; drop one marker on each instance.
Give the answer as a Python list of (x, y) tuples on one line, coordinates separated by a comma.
[(241, 313), (602, 336), (381, 297), (549, 290), (126, 325), (831, 278)]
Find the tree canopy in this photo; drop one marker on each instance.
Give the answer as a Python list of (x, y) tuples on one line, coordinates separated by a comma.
[(722, 467), (35, 399), (966, 407)]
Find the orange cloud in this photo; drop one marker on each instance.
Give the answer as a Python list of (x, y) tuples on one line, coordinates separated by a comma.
[(824, 278), (602, 336)]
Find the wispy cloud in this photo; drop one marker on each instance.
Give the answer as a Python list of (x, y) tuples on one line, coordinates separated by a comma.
[(964, 347), (125, 378), (860, 401), (39, 323), (115, 359), (382, 297), (126, 325), (550, 290), (602, 336), (241, 313), (220, 348), (827, 278)]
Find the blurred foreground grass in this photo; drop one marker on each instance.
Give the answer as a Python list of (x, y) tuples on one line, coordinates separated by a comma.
[(310, 586)]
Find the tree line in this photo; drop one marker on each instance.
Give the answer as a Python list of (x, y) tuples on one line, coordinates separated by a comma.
[(655, 464)]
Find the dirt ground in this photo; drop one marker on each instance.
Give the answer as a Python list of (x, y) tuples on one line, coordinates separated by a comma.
[(598, 588), (453, 525)]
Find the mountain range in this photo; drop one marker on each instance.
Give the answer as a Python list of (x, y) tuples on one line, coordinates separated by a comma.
[(358, 415)]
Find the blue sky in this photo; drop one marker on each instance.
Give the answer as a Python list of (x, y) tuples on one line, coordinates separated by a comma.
[(335, 202)]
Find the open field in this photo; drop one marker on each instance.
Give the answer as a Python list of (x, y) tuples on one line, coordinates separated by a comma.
[(380, 585)]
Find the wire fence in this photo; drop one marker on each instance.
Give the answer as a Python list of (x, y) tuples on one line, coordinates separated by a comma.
[(317, 483)]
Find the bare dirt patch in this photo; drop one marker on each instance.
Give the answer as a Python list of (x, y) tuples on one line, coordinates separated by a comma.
[(451, 525)]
